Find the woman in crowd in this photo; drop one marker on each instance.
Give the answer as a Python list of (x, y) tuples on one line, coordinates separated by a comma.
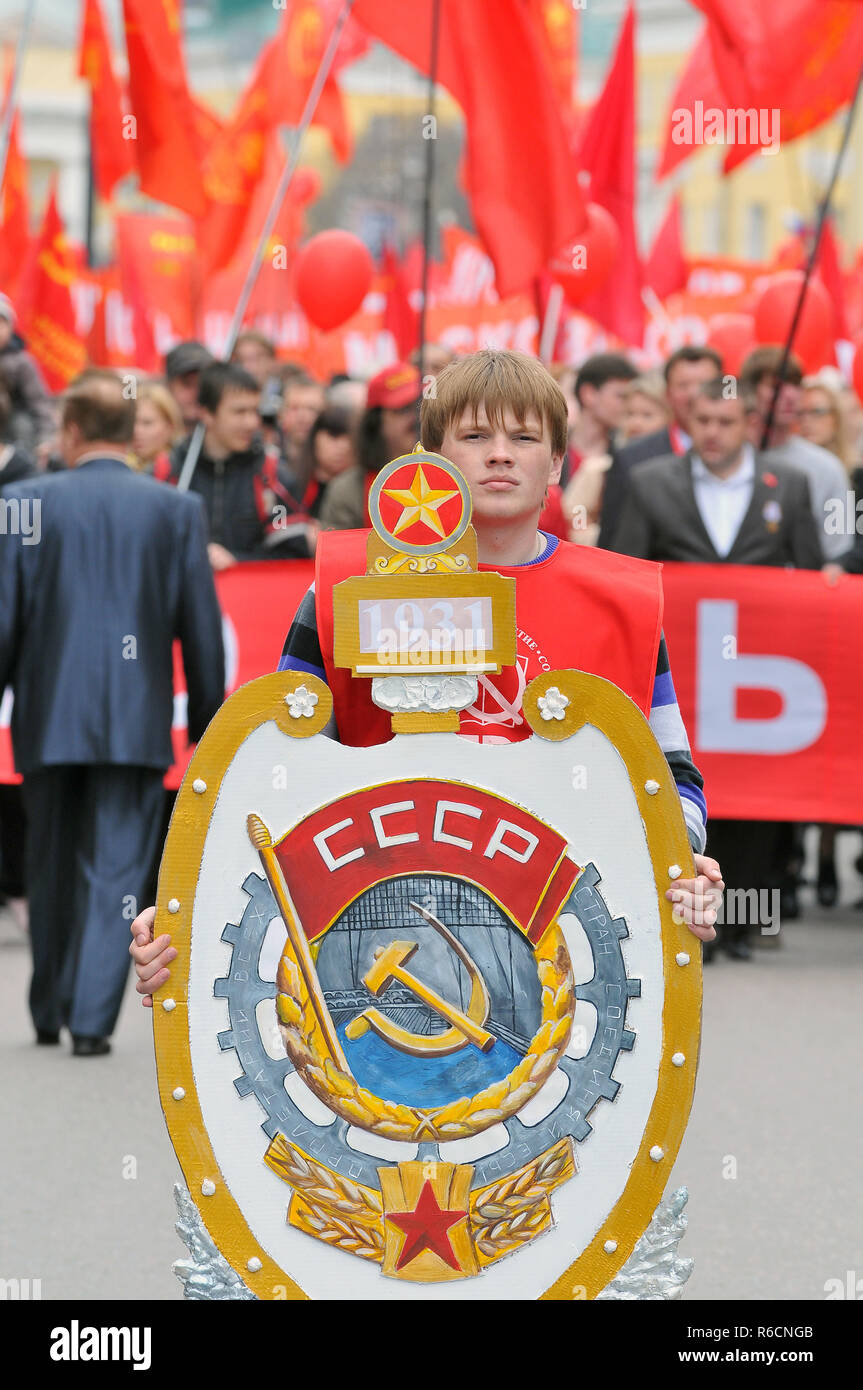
[(646, 411), (158, 427), (327, 452)]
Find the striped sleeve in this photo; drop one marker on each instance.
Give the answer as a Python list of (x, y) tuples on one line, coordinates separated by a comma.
[(671, 737), (302, 649), (670, 734)]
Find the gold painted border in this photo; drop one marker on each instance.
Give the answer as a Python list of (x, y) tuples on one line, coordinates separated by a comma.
[(593, 701)]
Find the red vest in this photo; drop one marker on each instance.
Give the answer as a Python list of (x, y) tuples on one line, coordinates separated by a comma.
[(581, 609)]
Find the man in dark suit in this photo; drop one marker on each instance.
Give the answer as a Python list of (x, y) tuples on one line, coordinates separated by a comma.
[(723, 504), (686, 371), (91, 599)]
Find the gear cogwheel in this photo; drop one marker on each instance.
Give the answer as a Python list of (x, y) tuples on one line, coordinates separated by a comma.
[(590, 1077)]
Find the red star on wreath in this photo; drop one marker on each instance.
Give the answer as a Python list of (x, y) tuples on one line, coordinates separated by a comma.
[(426, 1228)]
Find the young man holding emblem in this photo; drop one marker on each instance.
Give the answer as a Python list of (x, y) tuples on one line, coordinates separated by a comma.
[(501, 419)]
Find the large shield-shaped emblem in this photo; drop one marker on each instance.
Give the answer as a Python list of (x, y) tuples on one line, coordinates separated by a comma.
[(433, 1028)]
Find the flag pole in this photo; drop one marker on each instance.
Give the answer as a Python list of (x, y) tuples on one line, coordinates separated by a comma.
[(813, 256), (428, 181), (323, 72), (8, 114)]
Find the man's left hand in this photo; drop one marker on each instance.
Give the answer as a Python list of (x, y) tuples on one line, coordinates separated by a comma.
[(697, 900)]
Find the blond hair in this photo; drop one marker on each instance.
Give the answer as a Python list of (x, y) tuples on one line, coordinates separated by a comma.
[(650, 385), (498, 381), (159, 396), (839, 445)]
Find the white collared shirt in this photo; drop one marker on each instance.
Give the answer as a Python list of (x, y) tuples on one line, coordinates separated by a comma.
[(723, 502)]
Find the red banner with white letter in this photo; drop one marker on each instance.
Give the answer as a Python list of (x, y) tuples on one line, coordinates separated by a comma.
[(768, 671), (766, 663)]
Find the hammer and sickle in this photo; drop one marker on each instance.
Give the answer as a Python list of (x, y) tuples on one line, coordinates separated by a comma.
[(466, 1026)]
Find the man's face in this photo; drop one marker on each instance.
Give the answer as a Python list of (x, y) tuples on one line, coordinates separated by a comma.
[(400, 429), (300, 408), (605, 403), (508, 468), (787, 406), (684, 380), (235, 422), (184, 389), (256, 360), (718, 430)]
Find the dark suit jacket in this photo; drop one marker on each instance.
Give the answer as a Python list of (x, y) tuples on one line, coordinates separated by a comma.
[(661, 520), (88, 616), (649, 446)]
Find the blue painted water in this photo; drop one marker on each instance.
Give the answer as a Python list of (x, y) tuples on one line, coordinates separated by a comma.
[(394, 1075)]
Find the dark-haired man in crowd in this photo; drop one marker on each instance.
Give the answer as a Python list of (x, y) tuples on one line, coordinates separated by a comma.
[(600, 389), (91, 600), (183, 367), (685, 371), (251, 514)]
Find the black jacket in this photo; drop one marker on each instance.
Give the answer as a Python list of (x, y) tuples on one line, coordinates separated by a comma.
[(245, 513), (661, 520), (649, 446), (91, 599), (16, 467)]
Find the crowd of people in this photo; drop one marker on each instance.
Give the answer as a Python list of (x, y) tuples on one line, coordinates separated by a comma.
[(664, 465)]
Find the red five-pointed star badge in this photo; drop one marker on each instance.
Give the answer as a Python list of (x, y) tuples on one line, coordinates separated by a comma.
[(426, 1228)]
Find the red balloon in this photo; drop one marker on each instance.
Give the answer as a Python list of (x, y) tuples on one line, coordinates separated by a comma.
[(333, 274), (305, 186), (857, 370), (585, 265), (733, 337), (774, 310)]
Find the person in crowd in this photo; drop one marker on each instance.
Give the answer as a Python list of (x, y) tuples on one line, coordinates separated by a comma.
[(600, 393), (346, 393), (33, 419), (501, 419), (821, 419), (88, 619), (15, 462), (158, 427), (827, 477), (328, 451), (388, 427), (256, 354), (685, 371), (183, 367), (251, 514), (722, 503), (645, 410), (435, 356), (302, 402)]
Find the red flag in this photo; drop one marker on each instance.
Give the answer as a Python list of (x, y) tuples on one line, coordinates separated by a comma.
[(50, 323), (113, 157), (667, 270), (520, 177), (763, 74), (232, 169), (14, 213), (827, 265), (607, 151), (400, 317), (289, 64), (167, 143), (557, 25)]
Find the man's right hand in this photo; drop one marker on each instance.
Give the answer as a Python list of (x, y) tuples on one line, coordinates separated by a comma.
[(151, 958)]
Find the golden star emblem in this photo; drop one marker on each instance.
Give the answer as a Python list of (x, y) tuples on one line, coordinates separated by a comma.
[(420, 503)]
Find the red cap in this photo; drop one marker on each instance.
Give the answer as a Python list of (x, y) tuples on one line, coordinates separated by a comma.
[(394, 387)]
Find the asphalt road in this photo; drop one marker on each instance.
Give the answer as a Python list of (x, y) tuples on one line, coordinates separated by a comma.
[(771, 1156)]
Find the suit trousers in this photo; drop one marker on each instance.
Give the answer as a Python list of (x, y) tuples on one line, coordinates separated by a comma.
[(93, 835)]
